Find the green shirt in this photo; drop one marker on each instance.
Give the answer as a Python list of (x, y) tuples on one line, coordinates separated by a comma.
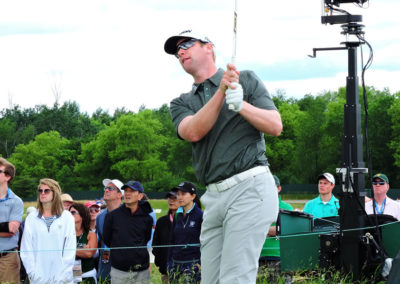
[(318, 209), (232, 145)]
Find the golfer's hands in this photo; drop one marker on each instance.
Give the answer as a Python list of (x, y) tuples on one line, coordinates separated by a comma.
[(230, 76), (234, 97)]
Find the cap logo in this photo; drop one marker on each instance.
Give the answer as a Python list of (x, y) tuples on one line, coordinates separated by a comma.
[(182, 184), (186, 31)]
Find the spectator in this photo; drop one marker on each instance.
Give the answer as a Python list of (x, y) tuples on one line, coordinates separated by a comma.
[(113, 195), (66, 200), (153, 215), (11, 212), (129, 226), (162, 236), (326, 204), (94, 210), (184, 261), (48, 244), (225, 116), (382, 203), (86, 240)]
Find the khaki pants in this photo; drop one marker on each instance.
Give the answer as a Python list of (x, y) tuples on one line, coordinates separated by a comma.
[(131, 277), (234, 228), (10, 265)]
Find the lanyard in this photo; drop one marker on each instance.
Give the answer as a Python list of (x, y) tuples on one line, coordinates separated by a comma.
[(380, 210)]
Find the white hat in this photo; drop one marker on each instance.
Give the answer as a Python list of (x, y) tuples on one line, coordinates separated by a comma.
[(116, 182), (327, 176), (171, 42), (66, 197)]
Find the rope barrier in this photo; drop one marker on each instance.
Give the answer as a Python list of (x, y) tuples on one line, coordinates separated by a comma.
[(197, 245)]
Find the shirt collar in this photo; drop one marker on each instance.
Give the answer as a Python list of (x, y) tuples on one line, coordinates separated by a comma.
[(8, 196), (180, 209), (332, 200), (215, 79)]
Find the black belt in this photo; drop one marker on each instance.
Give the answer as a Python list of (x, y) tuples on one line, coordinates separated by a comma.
[(7, 252)]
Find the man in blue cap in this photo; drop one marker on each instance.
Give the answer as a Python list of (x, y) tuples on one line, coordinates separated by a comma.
[(129, 226)]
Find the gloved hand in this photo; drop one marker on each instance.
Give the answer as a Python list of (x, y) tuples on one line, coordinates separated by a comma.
[(234, 97)]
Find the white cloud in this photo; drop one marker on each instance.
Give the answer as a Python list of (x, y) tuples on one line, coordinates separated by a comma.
[(109, 54)]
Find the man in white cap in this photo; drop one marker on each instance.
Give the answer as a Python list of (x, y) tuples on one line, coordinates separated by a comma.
[(225, 116), (113, 194), (326, 204)]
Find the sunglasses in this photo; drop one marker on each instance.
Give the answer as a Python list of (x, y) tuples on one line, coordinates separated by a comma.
[(1, 171), (110, 188), (45, 191), (94, 209), (378, 182), (74, 213), (185, 45)]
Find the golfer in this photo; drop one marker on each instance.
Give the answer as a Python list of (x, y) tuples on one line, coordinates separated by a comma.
[(228, 150)]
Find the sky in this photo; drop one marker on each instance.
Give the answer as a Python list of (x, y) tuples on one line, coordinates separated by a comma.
[(109, 54)]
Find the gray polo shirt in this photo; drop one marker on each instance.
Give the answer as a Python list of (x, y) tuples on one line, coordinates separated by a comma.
[(11, 209), (233, 145)]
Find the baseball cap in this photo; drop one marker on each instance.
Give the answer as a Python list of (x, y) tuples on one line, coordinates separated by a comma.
[(171, 42), (134, 185), (171, 194), (186, 187), (116, 182), (66, 197), (277, 181), (382, 177), (89, 204), (328, 176)]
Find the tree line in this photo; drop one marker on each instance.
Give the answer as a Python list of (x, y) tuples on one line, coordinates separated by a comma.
[(79, 150)]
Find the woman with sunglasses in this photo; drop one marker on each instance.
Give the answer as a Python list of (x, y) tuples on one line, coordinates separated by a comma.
[(85, 240), (48, 244), (94, 210)]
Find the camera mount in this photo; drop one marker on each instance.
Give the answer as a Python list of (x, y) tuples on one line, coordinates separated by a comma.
[(352, 169)]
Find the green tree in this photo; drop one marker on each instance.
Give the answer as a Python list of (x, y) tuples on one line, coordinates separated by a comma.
[(127, 149), (48, 155)]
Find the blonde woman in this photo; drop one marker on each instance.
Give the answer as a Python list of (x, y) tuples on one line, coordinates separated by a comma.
[(48, 244)]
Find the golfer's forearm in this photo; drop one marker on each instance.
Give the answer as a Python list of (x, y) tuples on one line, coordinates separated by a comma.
[(194, 128)]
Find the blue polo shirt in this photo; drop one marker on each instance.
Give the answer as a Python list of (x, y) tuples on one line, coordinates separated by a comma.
[(318, 209), (11, 209)]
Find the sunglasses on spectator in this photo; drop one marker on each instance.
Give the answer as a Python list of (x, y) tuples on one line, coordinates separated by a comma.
[(94, 209), (45, 191), (1, 171), (110, 188), (378, 182), (185, 45), (74, 212)]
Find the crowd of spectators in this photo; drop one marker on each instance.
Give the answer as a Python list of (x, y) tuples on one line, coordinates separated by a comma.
[(64, 241)]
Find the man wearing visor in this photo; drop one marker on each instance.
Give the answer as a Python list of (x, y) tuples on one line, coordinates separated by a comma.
[(225, 115), (113, 194), (382, 203)]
